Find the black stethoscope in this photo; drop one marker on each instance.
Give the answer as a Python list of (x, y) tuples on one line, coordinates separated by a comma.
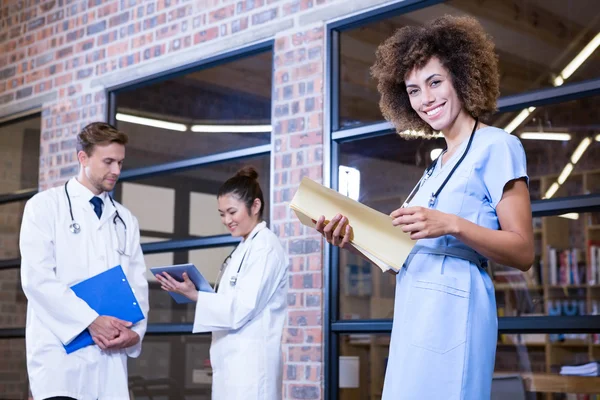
[(431, 168), (234, 278), (76, 228)]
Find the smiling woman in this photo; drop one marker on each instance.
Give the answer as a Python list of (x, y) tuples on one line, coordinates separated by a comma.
[(471, 206)]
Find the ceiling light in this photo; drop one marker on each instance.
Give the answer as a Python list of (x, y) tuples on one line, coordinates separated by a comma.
[(545, 136), (580, 150), (232, 128), (570, 215), (565, 173), (581, 57), (435, 153), (151, 122), (551, 190), (518, 120), (558, 81)]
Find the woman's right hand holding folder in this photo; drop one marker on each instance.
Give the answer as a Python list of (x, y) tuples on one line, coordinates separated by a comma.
[(336, 232)]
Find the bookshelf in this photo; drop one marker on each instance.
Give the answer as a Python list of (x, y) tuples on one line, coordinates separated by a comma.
[(565, 280)]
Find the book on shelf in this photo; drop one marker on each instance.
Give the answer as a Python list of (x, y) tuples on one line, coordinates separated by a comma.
[(593, 267), (567, 307), (589, 369), (566, 266)]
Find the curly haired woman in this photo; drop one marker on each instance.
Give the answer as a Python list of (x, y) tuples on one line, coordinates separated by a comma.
[(472, 205)]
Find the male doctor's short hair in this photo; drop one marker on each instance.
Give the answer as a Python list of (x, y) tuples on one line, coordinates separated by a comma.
[(244, 185), (99, 133), (463, 48)]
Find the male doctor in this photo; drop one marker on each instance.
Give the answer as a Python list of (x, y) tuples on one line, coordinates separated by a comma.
[(70, 233)]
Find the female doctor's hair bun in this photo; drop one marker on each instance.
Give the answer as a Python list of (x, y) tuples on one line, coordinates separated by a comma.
[(244, 185), (248, 172)]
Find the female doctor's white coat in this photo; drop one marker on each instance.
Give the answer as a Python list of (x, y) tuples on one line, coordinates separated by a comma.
[(53, 259), (247, 320)]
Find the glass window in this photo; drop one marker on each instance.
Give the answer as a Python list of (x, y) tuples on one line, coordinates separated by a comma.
[(222, 108), (172, 367), (184, 204), (13, 379), (11, 215), (13, 303), (20, 153), (538, 42), (561, 142), (529, 363)]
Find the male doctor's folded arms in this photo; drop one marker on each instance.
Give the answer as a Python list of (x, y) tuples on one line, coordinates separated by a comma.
[(71, 233), (247, 313)]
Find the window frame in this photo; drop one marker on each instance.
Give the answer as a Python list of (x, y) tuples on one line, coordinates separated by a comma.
[(160, 329), (334, 327)]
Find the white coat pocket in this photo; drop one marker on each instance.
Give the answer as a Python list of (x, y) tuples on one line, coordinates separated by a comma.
[(438, 312)]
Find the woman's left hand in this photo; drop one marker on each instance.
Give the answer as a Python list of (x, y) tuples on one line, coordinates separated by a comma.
[(186, 288), (423, 222)]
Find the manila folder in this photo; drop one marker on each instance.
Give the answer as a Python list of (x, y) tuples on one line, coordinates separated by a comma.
[(372, 231)]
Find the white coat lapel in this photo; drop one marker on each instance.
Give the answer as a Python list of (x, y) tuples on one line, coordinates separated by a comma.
[(108, 211)]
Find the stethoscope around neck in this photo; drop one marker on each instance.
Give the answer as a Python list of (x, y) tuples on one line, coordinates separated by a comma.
[(431, 168), (234, 278), (75, 228)]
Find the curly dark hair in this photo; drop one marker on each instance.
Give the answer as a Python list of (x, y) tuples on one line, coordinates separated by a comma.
[(461, 45)]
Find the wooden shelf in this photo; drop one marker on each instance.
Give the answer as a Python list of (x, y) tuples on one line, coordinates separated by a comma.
[(554, 383)]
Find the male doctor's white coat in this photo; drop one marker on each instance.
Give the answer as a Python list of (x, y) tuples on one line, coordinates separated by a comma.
[(53, 259), (247, 320)]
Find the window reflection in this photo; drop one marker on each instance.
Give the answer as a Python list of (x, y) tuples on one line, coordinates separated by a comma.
[(538, 44), (205, 112)]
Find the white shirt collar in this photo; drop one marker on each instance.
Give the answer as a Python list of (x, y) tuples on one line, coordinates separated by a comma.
[(76, 189)]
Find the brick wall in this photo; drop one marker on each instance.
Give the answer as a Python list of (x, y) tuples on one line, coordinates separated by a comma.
[(298, 152), (63, 54)]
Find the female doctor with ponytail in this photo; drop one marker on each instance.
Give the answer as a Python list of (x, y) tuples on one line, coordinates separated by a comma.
[(246, 314)]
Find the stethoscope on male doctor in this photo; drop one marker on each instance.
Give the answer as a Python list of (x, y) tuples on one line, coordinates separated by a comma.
[(431, 168), (76, 228)]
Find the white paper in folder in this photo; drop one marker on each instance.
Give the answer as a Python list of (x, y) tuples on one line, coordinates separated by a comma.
[(372, 231)]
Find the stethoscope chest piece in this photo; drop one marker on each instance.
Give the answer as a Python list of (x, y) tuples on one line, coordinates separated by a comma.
[(75, 228)]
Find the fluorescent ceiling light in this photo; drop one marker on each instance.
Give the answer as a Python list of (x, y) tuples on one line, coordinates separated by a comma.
[(570, 215), (151, 122), (545, 136), (551, 190), (581, 57), (231, 128), (565, 173), (435, 153), (580, 150), (518, 120), (558, 81)]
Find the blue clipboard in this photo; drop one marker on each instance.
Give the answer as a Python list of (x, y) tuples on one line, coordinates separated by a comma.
[(107, 293), (176, 272)]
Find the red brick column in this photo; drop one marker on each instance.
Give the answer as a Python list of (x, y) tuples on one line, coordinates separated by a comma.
[(298, 152)]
